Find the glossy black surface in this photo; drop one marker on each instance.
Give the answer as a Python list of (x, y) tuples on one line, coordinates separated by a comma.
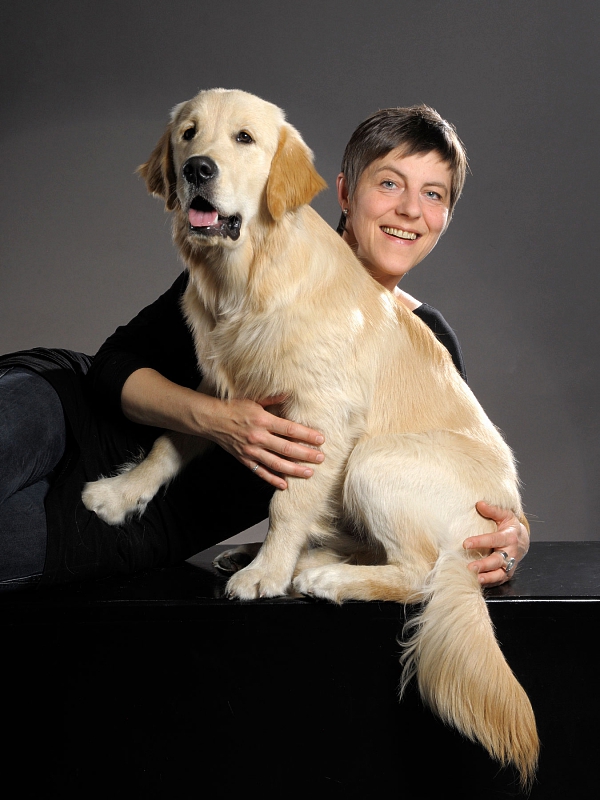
[(158, 686), (552, 570)]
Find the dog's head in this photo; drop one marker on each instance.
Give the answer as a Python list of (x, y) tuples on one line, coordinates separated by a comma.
[(225, 158)]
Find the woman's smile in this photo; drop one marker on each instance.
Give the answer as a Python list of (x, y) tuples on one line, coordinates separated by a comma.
[(399, 233)]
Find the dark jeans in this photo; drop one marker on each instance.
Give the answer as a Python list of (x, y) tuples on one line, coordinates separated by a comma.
[(32, 442)]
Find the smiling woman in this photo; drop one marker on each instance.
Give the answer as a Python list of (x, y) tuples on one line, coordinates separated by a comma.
[(398, 212)]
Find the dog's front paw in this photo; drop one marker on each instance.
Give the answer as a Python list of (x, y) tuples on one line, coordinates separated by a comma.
[(323, 582), (114, 499), (252, 582)]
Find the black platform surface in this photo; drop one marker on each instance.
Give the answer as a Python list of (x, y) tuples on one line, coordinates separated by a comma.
[(159, 686)]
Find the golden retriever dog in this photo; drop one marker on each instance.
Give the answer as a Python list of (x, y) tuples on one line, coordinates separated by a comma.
[(278, 305)]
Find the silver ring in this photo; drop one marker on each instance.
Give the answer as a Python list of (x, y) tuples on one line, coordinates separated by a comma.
[(509, 565), (255, 468), (508, 562)]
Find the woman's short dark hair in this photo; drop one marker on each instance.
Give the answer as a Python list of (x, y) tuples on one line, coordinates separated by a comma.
[(416, 130)]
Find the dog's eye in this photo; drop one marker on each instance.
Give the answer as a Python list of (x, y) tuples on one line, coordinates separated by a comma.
[(244, 138), (189, 133)]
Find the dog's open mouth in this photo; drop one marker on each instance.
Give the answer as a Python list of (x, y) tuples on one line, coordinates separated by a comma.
[(205, 220)]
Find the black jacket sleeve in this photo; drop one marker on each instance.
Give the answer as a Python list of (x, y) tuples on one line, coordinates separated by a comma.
[(444, 333), (158, 337)]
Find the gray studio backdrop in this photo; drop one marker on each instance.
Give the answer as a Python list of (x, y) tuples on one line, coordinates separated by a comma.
[(86, 89)]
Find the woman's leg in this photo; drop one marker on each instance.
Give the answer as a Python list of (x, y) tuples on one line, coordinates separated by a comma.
[(23, 536), (32, 442)]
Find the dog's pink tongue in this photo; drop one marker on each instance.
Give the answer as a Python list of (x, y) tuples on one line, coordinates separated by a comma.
[(202, 219)]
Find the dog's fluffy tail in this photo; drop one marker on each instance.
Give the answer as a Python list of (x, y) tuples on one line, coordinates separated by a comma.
[(461, 672)]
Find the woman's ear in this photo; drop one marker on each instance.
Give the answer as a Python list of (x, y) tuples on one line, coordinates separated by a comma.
[(293, 179), (159, 172), (342, 191)]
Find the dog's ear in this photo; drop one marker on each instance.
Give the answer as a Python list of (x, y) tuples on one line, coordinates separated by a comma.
[(293, 180), (159, 172)]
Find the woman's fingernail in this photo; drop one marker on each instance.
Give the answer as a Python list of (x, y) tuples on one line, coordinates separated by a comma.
[(319, 440), (320, 457)]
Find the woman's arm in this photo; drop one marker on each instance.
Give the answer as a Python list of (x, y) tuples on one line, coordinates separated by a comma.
[(241, 427), (157, 338)]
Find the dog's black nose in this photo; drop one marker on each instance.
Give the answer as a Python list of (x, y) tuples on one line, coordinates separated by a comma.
[(199, 170)]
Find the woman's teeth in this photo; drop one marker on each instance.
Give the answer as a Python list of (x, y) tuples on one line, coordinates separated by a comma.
[(399, 233)]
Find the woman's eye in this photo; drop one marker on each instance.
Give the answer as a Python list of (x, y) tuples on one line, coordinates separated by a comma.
[(388, 184), (244, 138), (189, 133)]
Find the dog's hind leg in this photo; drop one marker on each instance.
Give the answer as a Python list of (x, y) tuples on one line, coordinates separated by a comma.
[(407, 492), (351, 567), (340, 582), (117, 498), (375, 500), (411, 494)]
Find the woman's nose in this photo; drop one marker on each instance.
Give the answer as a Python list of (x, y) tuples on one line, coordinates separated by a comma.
[(409, 204)]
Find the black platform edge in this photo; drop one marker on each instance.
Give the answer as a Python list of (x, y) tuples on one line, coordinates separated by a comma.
[(551, 572)]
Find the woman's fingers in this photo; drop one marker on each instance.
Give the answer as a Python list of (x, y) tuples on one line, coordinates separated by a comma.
[(279, 458), (288, 429), (490, 570), (271, 446), (266, 475), (510, 542), (271, 462), (504, 539), (291, 450)]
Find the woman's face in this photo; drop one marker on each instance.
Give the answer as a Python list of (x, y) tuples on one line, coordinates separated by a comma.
[(398, 212)]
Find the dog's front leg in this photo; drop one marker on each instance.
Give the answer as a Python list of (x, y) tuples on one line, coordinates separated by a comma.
[(129, 492), (117, 498), (295, 515)]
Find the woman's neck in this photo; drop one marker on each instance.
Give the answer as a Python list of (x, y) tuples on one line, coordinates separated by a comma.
[(407, 299)]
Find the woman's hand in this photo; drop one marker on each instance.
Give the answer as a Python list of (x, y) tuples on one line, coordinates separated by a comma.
[(269, 445), (511, 537)]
